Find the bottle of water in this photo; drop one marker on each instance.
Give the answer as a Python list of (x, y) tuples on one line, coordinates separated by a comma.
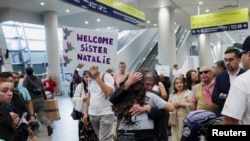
[(186, 132)]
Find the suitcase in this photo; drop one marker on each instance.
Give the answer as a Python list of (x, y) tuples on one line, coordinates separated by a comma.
[(51, 109)]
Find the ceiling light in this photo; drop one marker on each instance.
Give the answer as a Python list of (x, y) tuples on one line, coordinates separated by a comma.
[(109, 28), (207, 10), (148, 22), (117, 30), (155, 24), (86, 22), (42, 3), (98, 20), (97, 29), (200, 3), (67, 10)]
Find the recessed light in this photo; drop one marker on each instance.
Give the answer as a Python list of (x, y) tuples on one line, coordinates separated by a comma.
[(200, 3), (67, 10), (109, 28), (42, 3), (155, 24), (207, 10), (98, 20), (86, 22), (117, 30), (148, 22), (97, 29)]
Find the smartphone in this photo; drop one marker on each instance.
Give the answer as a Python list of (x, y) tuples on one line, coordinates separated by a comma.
[(21, 119)]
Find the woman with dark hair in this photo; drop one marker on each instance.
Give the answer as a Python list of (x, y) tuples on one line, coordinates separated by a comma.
[(180, 99), (86, 133), (191, 79), (134, 105), (159, 87)]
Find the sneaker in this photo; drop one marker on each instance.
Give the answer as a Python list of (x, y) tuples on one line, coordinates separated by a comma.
[(50, 130)]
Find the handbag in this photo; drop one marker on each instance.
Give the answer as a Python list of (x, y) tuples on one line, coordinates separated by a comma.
[(172, 118), (76, 115)]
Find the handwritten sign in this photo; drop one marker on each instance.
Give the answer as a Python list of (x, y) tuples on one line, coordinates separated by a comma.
[(162, 69), (85, 48)]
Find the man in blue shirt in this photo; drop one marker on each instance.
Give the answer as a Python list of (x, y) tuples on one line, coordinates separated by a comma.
[(25, 94)]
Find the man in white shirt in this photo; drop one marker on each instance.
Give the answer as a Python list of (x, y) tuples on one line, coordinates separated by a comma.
[(236, 109), (98, 107), (176, 71)]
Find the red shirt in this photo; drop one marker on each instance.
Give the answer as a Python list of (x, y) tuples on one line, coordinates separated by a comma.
[(51, 83)]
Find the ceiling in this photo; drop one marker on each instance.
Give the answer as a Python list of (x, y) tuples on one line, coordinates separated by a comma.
[(77, 16)]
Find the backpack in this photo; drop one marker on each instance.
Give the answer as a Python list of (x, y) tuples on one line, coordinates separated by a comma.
[(195, 123), (35, 87)]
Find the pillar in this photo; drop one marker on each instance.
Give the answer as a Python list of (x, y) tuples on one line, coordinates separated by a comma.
[(167, 39), (52, 46), (204, 50)]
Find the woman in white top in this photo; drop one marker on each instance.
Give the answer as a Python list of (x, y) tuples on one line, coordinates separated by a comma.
[(79, 101)]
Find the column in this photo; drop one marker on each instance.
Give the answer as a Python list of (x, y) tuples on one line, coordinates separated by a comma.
[(204, 49), (166, 43), (219, 53), (52, 47)]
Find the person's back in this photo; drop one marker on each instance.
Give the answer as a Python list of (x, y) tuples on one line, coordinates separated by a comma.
[(37, 93), (34, 85)]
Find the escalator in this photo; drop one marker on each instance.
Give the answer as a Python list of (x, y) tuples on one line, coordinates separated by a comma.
[(182, 36)]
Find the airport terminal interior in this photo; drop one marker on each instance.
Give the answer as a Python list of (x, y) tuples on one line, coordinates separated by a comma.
[(166, 39)]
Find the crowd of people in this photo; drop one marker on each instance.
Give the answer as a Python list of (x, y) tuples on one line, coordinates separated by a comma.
[(131, 106), (22, 106)]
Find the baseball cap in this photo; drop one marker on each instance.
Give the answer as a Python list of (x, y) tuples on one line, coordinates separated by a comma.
[(246, 45)]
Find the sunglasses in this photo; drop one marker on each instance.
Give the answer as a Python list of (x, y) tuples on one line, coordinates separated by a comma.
[(205, 72)]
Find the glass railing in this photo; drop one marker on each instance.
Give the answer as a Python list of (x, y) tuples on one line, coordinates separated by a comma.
[(127, 36)]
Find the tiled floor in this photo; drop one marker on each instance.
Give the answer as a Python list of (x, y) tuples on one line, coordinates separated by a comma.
[(65, 129)]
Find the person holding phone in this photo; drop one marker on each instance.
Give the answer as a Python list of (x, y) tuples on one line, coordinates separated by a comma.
[(9, 130)]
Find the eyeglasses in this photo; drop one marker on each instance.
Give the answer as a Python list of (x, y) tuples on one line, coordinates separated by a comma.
[(205, 72)]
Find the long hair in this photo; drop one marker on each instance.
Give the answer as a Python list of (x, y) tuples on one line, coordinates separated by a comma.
[(135, 94), (182, 80), (189, 79), (85, 84)]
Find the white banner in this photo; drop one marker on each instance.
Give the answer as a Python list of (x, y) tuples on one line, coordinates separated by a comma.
[(85, 48)]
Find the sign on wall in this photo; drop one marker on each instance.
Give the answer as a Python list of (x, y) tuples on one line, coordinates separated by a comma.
[(220, 21), (113, 8), (86, 48)]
